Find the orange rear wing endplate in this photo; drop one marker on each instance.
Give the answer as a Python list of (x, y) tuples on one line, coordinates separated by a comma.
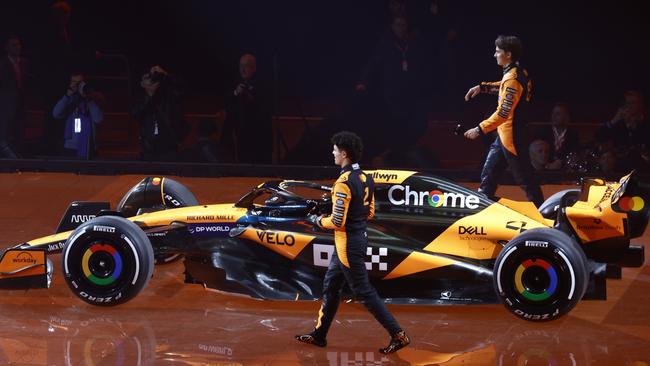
[(24, 269)]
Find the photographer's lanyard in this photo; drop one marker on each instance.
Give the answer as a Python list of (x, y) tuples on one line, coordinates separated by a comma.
[(77, 121), (155, 125), (405, 63)]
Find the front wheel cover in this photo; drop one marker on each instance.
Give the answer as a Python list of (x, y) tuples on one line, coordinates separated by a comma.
[(107, 261), (541, 274)]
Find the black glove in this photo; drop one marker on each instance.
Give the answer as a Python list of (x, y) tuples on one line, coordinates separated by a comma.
[(314, 220)]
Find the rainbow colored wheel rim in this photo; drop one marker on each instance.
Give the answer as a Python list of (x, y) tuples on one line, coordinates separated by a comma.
[(532, 264), (98, 249)]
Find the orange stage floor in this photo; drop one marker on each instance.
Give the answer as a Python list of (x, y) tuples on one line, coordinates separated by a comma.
[(172, 323)]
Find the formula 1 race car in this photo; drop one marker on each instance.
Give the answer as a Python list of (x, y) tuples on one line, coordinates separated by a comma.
[(431, 242)]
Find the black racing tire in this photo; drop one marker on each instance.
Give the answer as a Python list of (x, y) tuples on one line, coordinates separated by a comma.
[(107, 261), (550, 207), (541, 274), (156, 194)]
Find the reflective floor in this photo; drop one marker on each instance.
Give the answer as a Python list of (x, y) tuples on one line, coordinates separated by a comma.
[(172, 323)]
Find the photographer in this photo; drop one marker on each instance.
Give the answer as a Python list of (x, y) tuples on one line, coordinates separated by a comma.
[(248, 116), (159, 112), (79, 110)]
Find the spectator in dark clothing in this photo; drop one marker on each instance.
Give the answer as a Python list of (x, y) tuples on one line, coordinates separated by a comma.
[(399, 71), (159, 112), (55, 66), (80, 111), (204, 151), (12, 79), (627, 135), (560, 137), (248, 116)]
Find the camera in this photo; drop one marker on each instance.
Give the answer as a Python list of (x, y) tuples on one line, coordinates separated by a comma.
[(86, 88), (156, 76)]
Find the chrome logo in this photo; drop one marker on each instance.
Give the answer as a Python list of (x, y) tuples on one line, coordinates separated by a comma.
[(531, 265), (436, 198), (400, 195), (631, 203), (98, 249)]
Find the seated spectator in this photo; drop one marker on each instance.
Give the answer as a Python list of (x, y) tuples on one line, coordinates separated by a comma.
[(159, 112), (540, 153), (608, 163), (627, 134), (560, 137), (80, 112)]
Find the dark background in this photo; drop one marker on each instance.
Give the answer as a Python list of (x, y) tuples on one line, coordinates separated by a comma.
[(585, 53)]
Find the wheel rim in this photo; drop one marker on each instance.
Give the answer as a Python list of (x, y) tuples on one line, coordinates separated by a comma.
[(536, 279), (101, 264)]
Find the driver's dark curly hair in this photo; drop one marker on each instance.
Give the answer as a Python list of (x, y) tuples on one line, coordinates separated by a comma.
[(350, 143)]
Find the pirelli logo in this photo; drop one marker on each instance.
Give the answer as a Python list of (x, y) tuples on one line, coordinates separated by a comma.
[(508, 102)]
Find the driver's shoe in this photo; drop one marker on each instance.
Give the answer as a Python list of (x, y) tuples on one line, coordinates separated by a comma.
[(311, 339), (398, 341)]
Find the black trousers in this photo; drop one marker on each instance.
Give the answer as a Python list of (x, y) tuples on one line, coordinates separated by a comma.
[(357, 278), (498, 157)]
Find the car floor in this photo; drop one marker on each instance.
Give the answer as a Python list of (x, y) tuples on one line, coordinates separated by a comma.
[(172, 323)]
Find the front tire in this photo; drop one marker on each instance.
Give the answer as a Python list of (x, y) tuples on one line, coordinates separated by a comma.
[(541, 274), (107, 261)]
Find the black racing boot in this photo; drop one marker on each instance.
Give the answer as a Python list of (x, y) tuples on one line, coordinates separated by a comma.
[(311, 339), (398, 341)]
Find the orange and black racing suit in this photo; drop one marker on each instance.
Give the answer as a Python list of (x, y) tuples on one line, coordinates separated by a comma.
[(353, 204), (510, 148)]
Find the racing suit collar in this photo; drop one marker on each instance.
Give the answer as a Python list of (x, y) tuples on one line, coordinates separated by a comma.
[(510, 66), (350, 167)]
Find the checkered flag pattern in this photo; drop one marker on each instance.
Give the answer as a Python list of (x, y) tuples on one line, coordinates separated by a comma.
[(377, 259)]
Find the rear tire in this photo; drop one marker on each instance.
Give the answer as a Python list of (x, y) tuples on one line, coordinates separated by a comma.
[(541, 274), (107, 261), (550, 207)]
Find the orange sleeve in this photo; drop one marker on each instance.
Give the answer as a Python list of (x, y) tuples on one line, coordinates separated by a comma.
[(371, 212), (508, 101), (490, 87), (341, 197)]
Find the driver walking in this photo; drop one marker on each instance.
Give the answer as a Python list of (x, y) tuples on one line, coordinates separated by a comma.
[(353, 204), (510, 147)]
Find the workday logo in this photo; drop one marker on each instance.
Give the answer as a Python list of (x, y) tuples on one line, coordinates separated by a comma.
[(400, 195)]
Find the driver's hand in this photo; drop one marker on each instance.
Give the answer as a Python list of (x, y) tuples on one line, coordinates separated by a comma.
[(312, 207), (472, 92), (314, 220), (473, 133)]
